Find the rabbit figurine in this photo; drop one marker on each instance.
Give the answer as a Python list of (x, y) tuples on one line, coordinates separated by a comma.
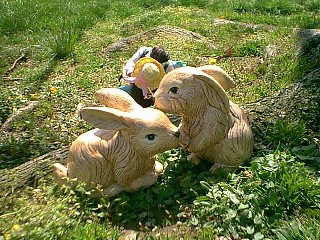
[(212, 127), (119, 154)]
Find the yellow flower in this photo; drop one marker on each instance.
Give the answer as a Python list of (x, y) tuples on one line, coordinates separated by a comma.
[(53, 90), (34, 96), (7, 236), (15, 227), (212, 61)]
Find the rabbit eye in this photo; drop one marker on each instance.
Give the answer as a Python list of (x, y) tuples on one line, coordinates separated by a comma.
[(173, 89), (151, 137)]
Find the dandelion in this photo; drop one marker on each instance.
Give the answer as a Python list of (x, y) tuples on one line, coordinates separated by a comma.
[(6, 236), (9, 234), (212, 61), (53, 90), (16, 227), (34, 96)]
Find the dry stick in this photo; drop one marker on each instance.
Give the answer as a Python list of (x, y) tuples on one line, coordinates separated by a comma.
[(12, 78), (23, 57), (6, 127)]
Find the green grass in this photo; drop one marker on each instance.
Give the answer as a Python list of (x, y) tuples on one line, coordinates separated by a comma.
[(274, 195)]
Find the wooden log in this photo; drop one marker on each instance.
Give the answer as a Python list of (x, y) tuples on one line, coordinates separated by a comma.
[(31, 170)]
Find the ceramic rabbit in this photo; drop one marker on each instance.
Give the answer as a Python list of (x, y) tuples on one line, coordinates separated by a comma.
[(119, 154), (212, 127)]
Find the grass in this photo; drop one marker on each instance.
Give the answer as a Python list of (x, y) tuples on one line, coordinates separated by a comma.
[(273, 196)]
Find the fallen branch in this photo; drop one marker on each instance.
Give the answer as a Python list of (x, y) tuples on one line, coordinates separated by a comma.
[(152, 33), (23, 57), (33, 169)]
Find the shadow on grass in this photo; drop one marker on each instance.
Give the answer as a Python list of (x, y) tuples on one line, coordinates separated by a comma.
[(169, 200), (162, 204), (18, 149), (41, 76)]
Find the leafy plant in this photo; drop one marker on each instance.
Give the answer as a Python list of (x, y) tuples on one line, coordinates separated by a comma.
[(272, 188), (309, 154), (5, 110), (297, 228), (284, 185), (71, 216), (230, 211)]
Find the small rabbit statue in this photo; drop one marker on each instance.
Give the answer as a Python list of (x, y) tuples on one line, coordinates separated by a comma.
[(119, 154), (212, 127)]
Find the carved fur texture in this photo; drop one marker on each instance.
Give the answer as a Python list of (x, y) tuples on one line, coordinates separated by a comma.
[(118, 155), (212, 127)]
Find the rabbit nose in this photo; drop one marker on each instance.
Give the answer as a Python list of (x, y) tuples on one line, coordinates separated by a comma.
[(177, 134)]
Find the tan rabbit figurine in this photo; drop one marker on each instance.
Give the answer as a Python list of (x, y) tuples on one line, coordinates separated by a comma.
[(119, 154), (212, 127)]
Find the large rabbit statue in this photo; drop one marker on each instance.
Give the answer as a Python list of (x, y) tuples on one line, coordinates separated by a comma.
[(212, 127), (119, 154)]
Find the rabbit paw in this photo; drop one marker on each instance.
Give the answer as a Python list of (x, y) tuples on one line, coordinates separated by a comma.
[(215, 167), (113, 190), (145, 181), (192, 157)]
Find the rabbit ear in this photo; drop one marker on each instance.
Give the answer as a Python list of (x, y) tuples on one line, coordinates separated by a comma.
[(105, 118), (117, 99), (213, 91), (220, 75)]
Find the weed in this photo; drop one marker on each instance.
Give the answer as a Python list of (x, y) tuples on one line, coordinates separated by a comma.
[(250, 49), (249, 204), (310, 153), (230, 211), (63, 43), (286, 134), (286, 185), (161, 203), (299, 228), (5, 110)]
